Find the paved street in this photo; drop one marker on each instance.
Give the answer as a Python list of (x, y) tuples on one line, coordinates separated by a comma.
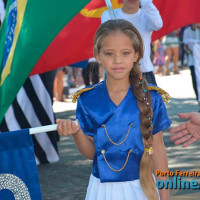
[(68, 178)]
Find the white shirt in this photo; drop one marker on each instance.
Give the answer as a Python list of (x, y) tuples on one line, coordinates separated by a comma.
[(146, 20), (190, 38), (93, 59)]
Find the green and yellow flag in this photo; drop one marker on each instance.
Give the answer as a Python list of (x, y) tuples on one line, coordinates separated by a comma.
[(28, 28)]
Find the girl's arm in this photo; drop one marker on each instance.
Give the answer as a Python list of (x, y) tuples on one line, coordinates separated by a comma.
[(84, 143), (155, 46), (160, 162)]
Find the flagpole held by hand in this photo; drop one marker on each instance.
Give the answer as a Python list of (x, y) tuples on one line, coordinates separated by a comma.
[(47, 128)]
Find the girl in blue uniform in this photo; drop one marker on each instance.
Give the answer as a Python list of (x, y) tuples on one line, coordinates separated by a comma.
[(121, 121)]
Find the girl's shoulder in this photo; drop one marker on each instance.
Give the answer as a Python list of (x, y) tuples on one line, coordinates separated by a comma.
[(89, 90), (155, 90)]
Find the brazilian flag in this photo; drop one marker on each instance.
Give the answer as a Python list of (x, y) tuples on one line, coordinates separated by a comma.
[(28, 28)]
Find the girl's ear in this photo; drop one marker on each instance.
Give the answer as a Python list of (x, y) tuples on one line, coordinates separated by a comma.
[(98, 59), (136, 56)]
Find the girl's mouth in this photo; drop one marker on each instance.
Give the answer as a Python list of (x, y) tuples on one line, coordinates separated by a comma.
[(118, 69)]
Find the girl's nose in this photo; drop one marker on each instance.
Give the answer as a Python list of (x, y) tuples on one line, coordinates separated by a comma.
[(117, 59)]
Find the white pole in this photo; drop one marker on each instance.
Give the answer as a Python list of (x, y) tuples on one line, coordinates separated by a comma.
[(42, 129), (47, 128), (110, 9)]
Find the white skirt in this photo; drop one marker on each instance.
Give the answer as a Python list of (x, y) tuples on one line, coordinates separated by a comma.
[(129, 190)]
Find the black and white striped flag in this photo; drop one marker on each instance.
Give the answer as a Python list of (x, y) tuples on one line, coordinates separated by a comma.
[(32, 107)]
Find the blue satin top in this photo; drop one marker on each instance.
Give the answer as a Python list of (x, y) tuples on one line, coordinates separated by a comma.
[(118, 143)]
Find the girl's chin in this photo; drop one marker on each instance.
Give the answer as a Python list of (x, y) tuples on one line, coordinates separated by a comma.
[(118, 76)]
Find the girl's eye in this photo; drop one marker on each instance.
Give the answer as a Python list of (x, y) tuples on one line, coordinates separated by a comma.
[(108, 54), (126, 53)]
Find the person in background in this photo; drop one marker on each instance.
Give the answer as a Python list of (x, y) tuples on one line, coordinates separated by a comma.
[(182, 50), (159, 56), (59, 85), (171, 43), (146, 18), (91, 72), (189, 37)]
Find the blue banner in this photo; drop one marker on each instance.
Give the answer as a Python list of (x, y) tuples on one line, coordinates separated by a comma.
[(18, 171), (82, 64)]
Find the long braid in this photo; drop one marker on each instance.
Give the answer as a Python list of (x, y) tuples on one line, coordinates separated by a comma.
[(144, 102), (146, 114)]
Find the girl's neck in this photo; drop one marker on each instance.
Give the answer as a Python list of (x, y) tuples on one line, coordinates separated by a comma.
[(129, 10), (117, 86)]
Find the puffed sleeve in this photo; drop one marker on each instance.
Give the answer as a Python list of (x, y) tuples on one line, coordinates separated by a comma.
[(154, 20), (161, 120), (84, 118)]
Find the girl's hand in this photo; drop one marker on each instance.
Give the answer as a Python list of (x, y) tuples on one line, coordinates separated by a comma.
[(67, 127)]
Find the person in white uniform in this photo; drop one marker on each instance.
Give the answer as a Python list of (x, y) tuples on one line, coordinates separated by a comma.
[(189, 39), (146, 18)]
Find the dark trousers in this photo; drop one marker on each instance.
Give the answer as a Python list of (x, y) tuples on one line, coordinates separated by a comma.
[(194, 82), (149, 76)]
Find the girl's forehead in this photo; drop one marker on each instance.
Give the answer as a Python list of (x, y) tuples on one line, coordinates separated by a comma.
[(115, 34), (116, 40)]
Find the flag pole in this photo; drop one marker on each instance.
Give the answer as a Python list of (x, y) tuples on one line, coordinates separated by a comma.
[(110, 9), (47, 128)]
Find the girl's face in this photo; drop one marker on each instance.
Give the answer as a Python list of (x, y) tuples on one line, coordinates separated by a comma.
[(117, 56)]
